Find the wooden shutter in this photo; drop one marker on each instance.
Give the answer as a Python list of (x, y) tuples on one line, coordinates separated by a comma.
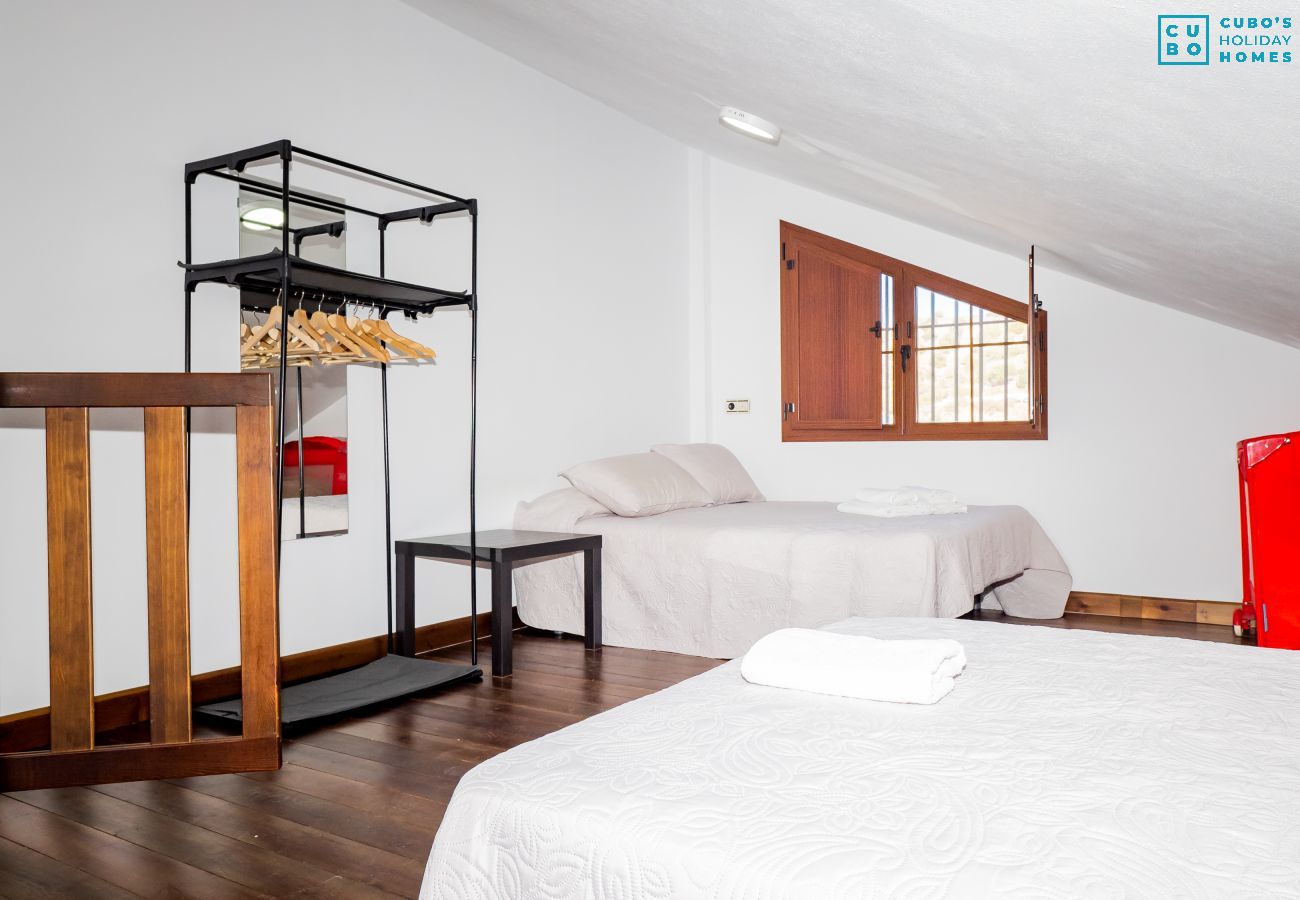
[(831, 365), (1037, 355)]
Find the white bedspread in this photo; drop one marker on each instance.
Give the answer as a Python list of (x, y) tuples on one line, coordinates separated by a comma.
[(1065, 764), (710, 582)]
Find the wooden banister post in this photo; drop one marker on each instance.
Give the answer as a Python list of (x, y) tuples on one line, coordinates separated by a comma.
[(72, 669), (258, 600), (167, 536)]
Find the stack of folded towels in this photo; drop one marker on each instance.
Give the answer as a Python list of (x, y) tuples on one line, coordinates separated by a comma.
[(905, 501), (846, 665)]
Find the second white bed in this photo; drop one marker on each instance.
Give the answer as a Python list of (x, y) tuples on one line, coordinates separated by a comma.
[(710, 581)]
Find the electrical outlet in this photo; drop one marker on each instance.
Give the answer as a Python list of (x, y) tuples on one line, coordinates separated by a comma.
[(737, 406)]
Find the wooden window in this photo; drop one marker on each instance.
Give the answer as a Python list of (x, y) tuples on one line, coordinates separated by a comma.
[(873, 348)]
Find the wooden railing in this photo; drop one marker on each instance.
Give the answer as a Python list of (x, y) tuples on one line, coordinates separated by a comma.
[(172, 752)]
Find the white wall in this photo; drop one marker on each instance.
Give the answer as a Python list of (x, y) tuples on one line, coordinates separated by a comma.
[(1137, 483), (580, 275)]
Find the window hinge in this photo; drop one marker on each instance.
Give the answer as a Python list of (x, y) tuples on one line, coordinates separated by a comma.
[(1042, 341), (1042, 405), (1037, 305), (789, 263), (787, 410)]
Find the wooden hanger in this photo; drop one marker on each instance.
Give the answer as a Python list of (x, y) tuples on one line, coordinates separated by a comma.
[(341, 338), (375, 348), (415, 349), (298, 327), (401, 347), (255, 335)]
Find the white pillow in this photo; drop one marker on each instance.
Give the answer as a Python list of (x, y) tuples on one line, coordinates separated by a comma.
[(715, 468), (640, 484)]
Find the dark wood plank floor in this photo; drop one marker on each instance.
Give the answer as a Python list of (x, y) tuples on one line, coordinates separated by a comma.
[(355, 808)]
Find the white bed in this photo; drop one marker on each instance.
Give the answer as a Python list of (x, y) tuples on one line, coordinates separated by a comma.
[(1065, 764), (710, 581)]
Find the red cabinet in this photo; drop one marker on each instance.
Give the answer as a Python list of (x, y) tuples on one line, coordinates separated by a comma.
[(1269, 474)]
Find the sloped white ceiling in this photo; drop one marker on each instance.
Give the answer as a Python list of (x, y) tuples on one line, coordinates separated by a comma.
[(1006, 123)]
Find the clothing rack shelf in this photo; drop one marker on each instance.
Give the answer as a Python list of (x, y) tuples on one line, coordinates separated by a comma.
[(266, 273), (281, 276)]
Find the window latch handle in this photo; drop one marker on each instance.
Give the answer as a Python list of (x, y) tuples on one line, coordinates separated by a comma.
[(875, 329), (904, 352)]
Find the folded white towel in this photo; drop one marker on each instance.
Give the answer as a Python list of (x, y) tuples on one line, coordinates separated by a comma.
[(888, 496), (860, 508), (857, 666), (932, 495)]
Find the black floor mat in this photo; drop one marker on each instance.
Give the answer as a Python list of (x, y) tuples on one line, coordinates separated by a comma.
[(384, 679)]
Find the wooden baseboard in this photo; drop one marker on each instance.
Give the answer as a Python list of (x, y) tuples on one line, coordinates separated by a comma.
[(30, 729), (1206, 612)]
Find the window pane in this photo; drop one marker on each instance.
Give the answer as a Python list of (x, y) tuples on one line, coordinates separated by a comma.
[(945, 315), (924, 318), (972, 365), (964, 386), (924, 307), (886, 313), (1018, 383), (993, 383), (924, 384), (945, 385), (887, 349), (964, 331), (995, 329), (938, 385)]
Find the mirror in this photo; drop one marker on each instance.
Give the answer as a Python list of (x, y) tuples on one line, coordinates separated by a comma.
[(316, 403)]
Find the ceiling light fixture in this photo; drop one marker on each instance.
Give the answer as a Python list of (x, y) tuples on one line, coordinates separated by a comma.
[(749, 124), (262, 218)]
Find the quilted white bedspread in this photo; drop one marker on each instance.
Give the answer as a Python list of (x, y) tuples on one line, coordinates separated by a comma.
[(1065, 764), (711, 581)]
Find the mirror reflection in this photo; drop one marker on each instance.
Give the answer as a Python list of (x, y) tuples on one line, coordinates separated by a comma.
[(316, 408)]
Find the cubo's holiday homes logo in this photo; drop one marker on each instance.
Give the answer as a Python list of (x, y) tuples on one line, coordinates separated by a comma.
[(1186, 40), (1183, 41)]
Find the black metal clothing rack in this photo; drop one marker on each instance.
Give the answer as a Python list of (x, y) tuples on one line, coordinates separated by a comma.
[(279, 274)]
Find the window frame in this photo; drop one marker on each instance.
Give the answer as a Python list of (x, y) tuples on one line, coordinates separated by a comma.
[(907, 277)]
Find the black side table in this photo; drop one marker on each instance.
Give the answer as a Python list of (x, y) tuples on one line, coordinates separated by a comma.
[(502, 549)]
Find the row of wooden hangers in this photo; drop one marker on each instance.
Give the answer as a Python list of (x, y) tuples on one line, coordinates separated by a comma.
[(322, 338)]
